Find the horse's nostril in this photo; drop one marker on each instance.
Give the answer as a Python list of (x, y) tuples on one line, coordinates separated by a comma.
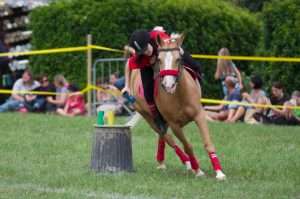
[(169, 81)]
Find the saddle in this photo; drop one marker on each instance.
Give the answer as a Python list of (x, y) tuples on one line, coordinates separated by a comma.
[(194, 74)]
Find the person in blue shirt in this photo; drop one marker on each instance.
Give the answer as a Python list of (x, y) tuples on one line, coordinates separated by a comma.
[(225, 112), (116, 81)]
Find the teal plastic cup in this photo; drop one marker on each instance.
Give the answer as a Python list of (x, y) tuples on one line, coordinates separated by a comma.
[(100, 118)]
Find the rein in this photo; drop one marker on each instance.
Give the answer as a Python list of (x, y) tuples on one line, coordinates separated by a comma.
[(168, 49)]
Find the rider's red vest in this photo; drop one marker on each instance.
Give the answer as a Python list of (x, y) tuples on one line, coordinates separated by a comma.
[(142, 61)]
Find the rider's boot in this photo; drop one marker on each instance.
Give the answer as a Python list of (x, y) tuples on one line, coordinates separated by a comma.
[(159, 121)]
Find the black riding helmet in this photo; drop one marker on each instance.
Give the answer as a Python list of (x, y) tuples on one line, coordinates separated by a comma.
[(139, 41)]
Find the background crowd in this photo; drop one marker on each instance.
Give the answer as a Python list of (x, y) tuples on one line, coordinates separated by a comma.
[(38, 94), (261, 112), (58, 97), (68, 101)]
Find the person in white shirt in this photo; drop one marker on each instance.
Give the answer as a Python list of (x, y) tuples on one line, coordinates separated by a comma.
[(17, 99)]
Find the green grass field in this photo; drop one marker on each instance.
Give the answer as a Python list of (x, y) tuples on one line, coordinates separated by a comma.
[(44, 156)]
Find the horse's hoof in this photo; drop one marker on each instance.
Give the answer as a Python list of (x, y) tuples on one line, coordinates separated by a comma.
[(220, 175), (199, 173), (161, 166), (188, 165)]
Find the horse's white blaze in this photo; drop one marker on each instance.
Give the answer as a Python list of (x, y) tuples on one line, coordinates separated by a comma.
[(168, 80), (168, 60)]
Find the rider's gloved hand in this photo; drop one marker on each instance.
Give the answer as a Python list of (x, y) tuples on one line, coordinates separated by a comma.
[(125, 89), (127, 96)]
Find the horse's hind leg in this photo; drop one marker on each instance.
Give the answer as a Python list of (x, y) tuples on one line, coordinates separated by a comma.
[(202, 125), (188, 149)]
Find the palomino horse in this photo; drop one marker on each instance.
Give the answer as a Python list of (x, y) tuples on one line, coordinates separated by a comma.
[(177, 97), (141, 106)]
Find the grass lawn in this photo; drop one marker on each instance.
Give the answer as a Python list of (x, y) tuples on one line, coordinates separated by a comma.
[(44, 156)]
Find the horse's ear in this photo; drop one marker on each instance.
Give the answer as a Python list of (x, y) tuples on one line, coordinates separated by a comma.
[(159, 41), (180, 39)]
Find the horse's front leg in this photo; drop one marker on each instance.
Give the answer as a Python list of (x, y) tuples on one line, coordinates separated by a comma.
[(187, 148), (161, 145), (203, 127)]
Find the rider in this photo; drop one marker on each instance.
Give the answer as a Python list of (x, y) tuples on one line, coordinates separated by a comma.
[(144, 57)]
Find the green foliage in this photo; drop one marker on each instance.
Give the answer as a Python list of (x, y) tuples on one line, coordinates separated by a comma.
[(208, 25), (281, 39), (252, 5)]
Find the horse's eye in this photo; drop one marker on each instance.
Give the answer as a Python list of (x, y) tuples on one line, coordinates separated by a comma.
[(178, 61)]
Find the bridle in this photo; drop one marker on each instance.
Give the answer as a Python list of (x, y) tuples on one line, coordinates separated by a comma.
[(172, 72)]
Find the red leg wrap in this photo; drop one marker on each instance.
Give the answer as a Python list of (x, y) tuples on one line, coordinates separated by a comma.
[(215, 161), (194, 162), (160, 155), (183, 157)]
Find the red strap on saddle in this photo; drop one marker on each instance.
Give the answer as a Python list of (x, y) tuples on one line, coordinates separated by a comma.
[(172, 72), (191, 72)]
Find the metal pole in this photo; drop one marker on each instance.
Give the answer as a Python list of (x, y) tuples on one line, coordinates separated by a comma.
[(94, 99), (102, 72), (89, 74), (109, 70)]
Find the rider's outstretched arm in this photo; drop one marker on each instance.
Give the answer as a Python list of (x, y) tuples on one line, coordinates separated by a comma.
[(127, 78), (128, 52)]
